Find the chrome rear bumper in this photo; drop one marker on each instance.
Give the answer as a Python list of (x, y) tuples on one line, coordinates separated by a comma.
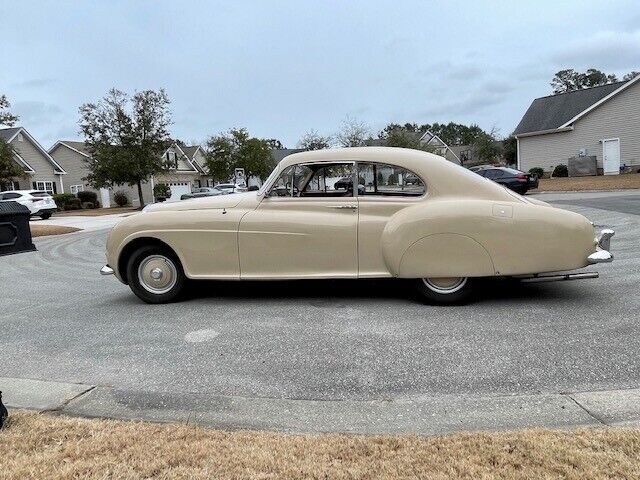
[(602, 253), (559, 277), (106, 270)]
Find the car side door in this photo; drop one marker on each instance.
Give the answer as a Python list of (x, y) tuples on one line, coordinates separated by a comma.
[(304, 227)]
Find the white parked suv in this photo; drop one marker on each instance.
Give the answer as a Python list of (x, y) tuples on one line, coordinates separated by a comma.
[(39, 203)]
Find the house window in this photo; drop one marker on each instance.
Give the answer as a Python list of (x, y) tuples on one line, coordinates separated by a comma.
[(77, 188), (7, 186), (20, 137), (47, 186), (172, 159)]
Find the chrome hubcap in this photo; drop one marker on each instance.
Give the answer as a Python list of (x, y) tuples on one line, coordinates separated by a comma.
[(445, 285), (157, 274)]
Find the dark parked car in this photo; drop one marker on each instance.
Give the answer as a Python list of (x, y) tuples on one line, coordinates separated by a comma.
[(511, 178), (203, 192)]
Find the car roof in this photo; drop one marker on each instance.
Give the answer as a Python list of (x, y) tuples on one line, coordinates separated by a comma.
[(28, 192), (443, 178)]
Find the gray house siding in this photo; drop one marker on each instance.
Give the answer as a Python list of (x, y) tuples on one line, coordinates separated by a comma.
[(618, 117), (44, 169), (76, 167)]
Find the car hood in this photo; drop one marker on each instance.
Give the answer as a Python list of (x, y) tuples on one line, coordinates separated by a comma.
[(213, 202)]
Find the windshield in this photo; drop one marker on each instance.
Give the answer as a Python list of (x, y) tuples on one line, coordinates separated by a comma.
[(268, 181)]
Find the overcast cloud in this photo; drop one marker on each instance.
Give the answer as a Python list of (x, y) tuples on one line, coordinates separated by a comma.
[(281, 68)]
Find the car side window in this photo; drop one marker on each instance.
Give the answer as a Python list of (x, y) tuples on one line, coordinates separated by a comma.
[(10, 196), (388, 180), (494, 174), (283, 186), (322, 180)]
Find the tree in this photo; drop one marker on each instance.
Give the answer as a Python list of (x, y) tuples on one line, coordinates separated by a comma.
[(401, 137), (126, 137), (486, 146), (450, 133), (6, 117), (630, 76), (237, 149), (353, 133), (9, 168), (312, 140), (275, 144), (510, 150), (569, 80)]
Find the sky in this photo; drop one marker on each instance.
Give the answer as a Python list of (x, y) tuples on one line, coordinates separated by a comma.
[(281, 68)]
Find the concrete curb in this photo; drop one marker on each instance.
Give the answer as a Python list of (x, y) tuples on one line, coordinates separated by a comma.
[(416, 415)]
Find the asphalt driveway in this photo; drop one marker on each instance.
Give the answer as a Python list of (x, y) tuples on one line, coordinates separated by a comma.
[(323, 340)]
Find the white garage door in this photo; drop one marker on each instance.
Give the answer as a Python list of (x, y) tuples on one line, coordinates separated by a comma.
[(178, 189)]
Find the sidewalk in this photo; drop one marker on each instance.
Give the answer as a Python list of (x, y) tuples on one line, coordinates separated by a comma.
[(420, 415)]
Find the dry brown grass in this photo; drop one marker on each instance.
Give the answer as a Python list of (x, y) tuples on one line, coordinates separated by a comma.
[(45, 230), (603, 182), (50, 447), (97, 212)]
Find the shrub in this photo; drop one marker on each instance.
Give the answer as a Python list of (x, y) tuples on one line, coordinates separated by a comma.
[(88, 196), (536, 172), (120, 198), (62, 199), (161, 190), (560, 171), (73, 204)]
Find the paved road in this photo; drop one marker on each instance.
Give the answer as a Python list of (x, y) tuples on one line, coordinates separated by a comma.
[(86, 223), (331, 340)]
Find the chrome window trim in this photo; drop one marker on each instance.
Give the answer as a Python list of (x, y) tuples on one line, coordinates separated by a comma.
[(319, 162), (387, 197)]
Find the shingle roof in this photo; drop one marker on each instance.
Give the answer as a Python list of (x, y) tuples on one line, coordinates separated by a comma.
[(190, 151), (80, 146), (279, 153), (7, 133), (548, 113)]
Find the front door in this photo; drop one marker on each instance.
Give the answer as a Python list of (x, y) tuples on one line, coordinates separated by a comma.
[(104, 197), (611, 156), (306, 226)]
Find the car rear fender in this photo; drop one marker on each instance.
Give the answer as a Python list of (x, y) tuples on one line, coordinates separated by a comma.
[(435, 238)]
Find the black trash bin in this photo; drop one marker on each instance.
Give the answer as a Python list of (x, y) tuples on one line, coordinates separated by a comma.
[(15, 233)]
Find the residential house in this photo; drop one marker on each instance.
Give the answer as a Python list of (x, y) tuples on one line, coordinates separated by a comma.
[(184, 171), (427, 139), (41, 171), (73, 156), (600, 122)]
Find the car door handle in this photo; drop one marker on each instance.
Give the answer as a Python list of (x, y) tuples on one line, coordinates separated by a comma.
[(344, 207)]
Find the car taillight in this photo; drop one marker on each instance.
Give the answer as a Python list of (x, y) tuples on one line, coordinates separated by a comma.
[(522, 178)]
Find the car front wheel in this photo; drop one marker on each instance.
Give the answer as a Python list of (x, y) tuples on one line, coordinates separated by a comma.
[(155, 274), (45, 216), (445, 291)]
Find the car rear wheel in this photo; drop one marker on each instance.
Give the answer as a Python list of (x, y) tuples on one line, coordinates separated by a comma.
[(445, 290), (155, 274), (45, 216)]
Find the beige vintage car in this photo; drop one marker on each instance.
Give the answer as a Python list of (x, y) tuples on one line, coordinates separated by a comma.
[(413, 215)]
